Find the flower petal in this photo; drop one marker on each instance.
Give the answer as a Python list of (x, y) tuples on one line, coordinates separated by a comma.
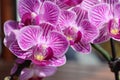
[(28, 37), (44, 71), (117, 10), (103, 35), (88, 4), (116, 37), (58, 43), (26, 74), (81, 14), (82, 47), (62, 5), (66, 19), (89, 32), (47, 0), (13, 70), (110, 1), (51, 12), (66, 4), (9, 26), (26, 19), (98, 14), (46, 28), (58, 61), (15, 49), (28, 6), (8, 40)]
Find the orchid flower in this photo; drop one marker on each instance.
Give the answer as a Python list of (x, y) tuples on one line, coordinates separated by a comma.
[(41, 44), (36, 72), (34, 12), (106, 17), (78, 31)]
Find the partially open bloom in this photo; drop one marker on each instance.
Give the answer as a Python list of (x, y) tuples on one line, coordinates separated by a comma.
[(106, 17), (10, 29), (36, 72)]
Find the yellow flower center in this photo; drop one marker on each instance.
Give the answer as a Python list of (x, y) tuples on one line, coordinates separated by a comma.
[(69, 38), (115, 31), (39, 57)]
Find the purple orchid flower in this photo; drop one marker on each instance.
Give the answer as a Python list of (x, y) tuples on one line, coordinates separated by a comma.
[(41, 44), (29, 11), (106, 17), (36, 72), (78, 31), (34, 12)]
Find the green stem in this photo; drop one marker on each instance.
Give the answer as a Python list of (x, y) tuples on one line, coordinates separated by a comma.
[(103, 52)]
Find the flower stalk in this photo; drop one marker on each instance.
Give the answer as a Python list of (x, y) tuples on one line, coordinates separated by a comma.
[(116, 72), (103, 52)]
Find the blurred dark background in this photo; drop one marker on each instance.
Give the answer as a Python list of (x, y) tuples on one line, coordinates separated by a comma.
[(78, 66)]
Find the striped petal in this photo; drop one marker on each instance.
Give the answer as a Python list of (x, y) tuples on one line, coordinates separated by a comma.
[(28, 6), (89, 32), (62, 5), (66, 4), (58, 62), (103, 35), (51, 12), (15, 49), (98, 15), (58, 43), (46, 28), (82, 47), (66, 19), (28, 37), (88, 4), (81, 14), (110, 1)]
